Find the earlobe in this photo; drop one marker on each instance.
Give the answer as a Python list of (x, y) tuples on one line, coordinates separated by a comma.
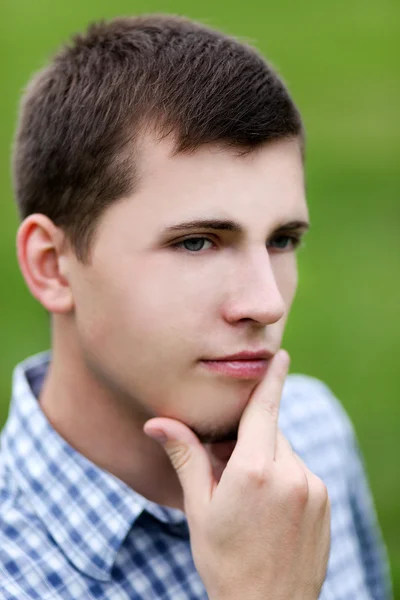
[(39, 247)]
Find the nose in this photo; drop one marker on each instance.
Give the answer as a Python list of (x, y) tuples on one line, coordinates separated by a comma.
[(253, 292)]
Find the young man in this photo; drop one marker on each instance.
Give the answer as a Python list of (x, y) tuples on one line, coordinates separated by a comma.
[(159, 174)]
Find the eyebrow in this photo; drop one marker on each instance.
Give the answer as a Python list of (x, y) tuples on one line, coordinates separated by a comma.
[(232, 226)]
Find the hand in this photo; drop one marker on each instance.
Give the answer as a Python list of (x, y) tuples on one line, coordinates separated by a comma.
[(263, 531)]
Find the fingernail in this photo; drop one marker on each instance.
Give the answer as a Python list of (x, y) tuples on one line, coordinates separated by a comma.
[(158, 435)]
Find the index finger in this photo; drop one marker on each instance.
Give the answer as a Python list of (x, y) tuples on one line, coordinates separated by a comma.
[(259, 423)]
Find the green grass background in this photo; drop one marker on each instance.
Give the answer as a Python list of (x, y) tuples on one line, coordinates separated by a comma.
[(340, 61)]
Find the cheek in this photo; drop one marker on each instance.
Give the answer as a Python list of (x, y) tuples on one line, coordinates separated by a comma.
[(151, 320), (145, 338), (286, 275), (171, 298)]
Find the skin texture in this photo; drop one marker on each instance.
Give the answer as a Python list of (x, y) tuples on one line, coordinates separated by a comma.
[(131, 326), (262, 530)]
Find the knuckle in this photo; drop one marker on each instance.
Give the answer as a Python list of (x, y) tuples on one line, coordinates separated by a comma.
[(254, 475), (319, 491), (179, 456), (323, 495), (270, 407), (299, 488)]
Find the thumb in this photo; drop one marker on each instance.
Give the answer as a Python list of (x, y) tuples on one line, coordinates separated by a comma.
[(189, 459)]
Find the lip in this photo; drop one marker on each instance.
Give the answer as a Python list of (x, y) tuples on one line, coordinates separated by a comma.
[(238, 369), (262, 354)]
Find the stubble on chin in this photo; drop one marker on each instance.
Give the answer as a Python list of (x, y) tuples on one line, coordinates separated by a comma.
[(216, 436)]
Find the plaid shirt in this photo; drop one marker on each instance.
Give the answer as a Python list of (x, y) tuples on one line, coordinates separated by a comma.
[(71, 531)]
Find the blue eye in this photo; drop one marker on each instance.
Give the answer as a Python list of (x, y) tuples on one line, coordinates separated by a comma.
[(194, 244), (284, 242)]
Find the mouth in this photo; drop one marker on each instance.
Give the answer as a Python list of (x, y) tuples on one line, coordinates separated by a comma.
[(238, 368)]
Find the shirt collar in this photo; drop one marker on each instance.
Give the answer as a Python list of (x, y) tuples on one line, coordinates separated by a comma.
[(86, 510)]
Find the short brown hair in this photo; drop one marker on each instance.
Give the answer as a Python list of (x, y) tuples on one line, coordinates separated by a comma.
[(80, 117)]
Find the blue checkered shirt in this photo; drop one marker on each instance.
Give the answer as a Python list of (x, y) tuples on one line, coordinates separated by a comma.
[(70, 530)]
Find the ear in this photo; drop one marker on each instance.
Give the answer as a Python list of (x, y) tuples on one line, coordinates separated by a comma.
[(42, 259)]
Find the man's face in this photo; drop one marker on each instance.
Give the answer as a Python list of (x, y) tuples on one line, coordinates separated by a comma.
[(151, 307)]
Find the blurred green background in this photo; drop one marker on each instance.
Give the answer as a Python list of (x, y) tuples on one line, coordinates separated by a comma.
[(340, 61)]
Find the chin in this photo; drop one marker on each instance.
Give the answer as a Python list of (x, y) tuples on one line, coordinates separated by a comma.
[(214, 411), (216, 435)]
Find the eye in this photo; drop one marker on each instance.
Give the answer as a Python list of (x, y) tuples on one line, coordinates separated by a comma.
[(284, 242), (194, 244)]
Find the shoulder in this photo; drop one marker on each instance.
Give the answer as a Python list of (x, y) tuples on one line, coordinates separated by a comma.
[(308, 401), (16, 529), (24, 545)]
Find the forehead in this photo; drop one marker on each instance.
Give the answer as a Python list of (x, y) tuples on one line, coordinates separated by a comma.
[(260, 190)]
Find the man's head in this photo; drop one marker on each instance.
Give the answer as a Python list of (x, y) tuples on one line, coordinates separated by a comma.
[(137, 127)]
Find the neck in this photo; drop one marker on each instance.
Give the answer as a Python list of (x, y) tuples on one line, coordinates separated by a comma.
[(105, 428)]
